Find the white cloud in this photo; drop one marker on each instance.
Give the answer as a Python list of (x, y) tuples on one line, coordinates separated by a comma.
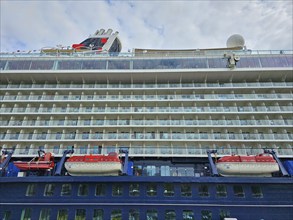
[(27, 25)]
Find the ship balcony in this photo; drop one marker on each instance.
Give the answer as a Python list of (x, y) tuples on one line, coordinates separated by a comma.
[(137, 136), (127, 123), (149, 110), (152, 151), (145, 98), (144, 86)]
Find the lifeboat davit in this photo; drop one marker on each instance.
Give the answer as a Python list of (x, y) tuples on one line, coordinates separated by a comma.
[(235, 165), (94, 165), (44, 162)]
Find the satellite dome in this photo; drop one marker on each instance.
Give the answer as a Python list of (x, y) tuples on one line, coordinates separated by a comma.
[(236, 40)]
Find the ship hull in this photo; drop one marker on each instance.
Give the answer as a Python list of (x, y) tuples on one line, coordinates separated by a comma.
[(272, 201), (93, 169)]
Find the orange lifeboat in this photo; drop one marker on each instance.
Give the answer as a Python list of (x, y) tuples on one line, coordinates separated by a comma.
[(44, 162), (235, 165), (94, 165)]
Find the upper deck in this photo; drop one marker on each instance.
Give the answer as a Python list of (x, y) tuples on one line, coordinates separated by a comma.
[(189, 59)]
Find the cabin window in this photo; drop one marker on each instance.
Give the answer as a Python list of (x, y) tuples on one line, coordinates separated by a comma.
[(134, 189), (100, 189), (188, 215), (96, 150), (83, 190), (133, 214), (221, 191), (85, 135), (49, 189), (224, 214), (256, 192), (80, 214), (117, 189), (45, 214), (151, 189), (62, 214), (206, 215), (152, 214), (116, 214), (186, 190), (66, 189), (83, 149), (168, 189), (203, 191), (7, 215), (151, 170), (98, 214), (56, 149), (238, 191), (170, 215), (31, 189), (26, 214), (165, 171)]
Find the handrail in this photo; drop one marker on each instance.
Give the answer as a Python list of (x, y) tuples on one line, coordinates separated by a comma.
[(179, 53)]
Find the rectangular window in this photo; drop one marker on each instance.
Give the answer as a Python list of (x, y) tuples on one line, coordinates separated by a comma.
[(85, 135), (151, 170), (87, 122), (203, 191), (49, 189), (66, 189), (62, 214), (83, 149), (221, 191), (168, 189), (83, 190), (31, 189), (117, 189), (26, 214), (186, 190), (98, 214), (7, 215), (134, 214), (56, 149), (170, 215), (256, 192), (134, 189), (151, 189), (45, 214), (224, 214), (96, 150), (80, 214), (100, 189), (165, 171), (116, 214), (238, 191), (152, 214), (206, 215), (188, 215), (58, 135)]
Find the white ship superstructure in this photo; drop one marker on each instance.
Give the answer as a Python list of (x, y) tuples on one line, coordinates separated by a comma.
[(157, 103)]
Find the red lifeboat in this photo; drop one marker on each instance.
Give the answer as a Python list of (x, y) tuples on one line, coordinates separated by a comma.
[(236, 165), (44, 162), (94, 165)]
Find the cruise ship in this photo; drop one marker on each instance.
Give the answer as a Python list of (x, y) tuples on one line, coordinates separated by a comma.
[(89, 132)]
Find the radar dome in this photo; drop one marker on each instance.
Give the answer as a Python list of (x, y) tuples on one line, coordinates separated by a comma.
[(236, 40)]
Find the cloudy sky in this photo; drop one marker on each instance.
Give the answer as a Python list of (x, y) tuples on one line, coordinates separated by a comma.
[(167, 24)]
